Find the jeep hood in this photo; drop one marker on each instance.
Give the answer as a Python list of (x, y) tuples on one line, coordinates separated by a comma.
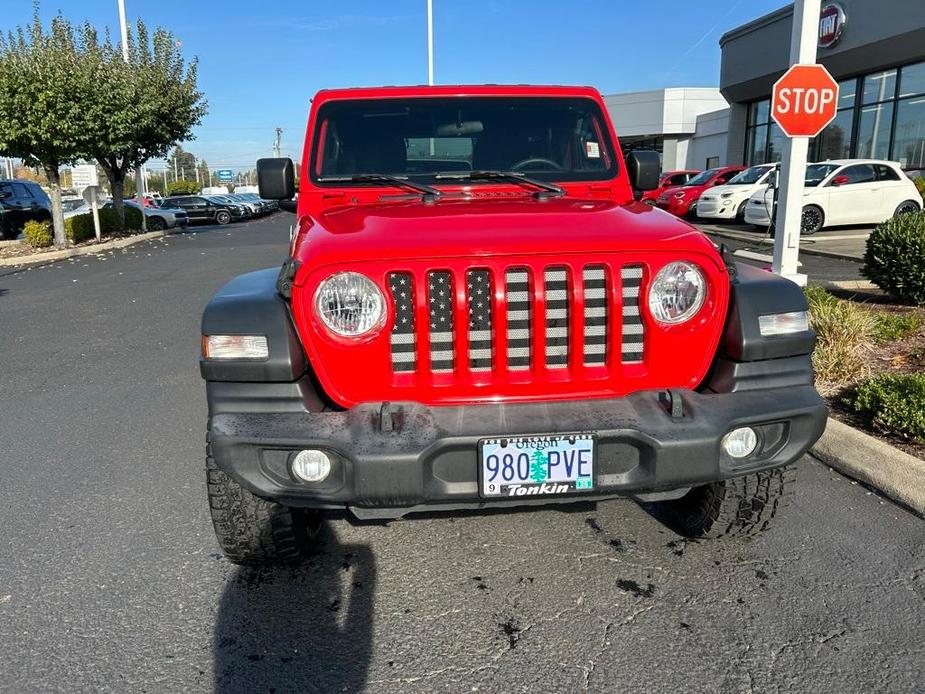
[(466, 228)]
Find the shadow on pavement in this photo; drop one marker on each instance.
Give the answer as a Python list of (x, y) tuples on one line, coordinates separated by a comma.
[(302, 628)]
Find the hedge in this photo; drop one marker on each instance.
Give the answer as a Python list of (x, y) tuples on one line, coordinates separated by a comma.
[(80, 228), (38, 234), (895, 257), (894, 404)]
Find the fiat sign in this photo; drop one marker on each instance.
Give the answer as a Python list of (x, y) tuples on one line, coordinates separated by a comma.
[(832, 22), (804, 100)]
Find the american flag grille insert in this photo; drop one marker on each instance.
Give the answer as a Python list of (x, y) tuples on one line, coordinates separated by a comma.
[(479, 296), (632, 337), (595, 327), (440, 296), (557, 308), (401, 287), (517, 289)]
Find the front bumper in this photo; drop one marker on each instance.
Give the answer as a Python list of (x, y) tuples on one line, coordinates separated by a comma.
[(679, 208), (406, 457), (715, 209)]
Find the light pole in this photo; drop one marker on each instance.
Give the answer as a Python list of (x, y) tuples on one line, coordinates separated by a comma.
[(139, 169), (430, 42)]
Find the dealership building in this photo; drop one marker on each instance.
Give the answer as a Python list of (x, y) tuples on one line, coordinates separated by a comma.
[(875, 49)]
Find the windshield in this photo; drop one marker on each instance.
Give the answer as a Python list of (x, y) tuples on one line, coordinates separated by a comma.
[(816, 173), (551, 139), (702, 177), (749, 176)]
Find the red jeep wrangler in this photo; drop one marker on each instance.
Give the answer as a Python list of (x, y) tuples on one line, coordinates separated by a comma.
[(477, 312)]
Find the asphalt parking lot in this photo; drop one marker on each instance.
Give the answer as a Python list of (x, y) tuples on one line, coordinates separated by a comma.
[(110, 578)]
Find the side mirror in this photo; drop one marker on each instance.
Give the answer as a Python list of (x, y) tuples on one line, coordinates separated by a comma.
[(6, 194), (719, 182), (644, 169), (840, 180), (276, 179)]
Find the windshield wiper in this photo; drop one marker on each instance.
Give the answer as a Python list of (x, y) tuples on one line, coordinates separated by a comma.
[(429, 194), (546, 189)]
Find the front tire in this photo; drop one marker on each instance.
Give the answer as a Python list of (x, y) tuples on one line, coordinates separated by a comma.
[(222, 217), (255, 532), (906, 207), (812, 220), (740, 213), (156, 224), (741, 506)]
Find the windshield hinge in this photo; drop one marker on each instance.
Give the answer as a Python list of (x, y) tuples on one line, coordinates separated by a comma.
[(286, 277)]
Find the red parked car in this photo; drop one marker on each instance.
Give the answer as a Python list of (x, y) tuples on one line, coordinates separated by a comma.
[(681, 201), (475, 312), (669, 179)]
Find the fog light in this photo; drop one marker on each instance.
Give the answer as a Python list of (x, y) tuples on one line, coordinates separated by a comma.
[(311, 465), (740, 442)]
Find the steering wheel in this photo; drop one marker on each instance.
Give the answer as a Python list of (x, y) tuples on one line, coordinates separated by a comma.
[(537, 160)]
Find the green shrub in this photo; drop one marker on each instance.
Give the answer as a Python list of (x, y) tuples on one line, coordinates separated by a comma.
[(80, 228), (894, 404), (920, 185), (889, 327), (817, 296), (843, 331), (38, 234), (895, 257)]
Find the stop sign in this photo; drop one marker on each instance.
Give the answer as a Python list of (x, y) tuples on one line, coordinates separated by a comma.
[(805, 100)]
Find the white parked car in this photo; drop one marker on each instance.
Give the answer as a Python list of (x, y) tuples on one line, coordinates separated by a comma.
[(845, 191), (730, 200)]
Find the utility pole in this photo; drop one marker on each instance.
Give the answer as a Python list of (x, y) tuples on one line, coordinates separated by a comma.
[(279, 135), (430, 42), (803, 44), (176, 171)]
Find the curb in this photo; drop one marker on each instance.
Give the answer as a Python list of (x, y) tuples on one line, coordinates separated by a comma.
[(896, 474), (803, 249), (55, 256)]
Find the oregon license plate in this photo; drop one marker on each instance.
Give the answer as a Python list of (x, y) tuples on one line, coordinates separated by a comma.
[(536, 465)]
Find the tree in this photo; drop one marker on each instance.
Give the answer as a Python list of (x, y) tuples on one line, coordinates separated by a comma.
[(151, 102), (44, 114), (184, 187), (182, 164)]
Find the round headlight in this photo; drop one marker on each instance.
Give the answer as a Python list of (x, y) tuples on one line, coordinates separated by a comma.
[(350, 304), (677, 293)]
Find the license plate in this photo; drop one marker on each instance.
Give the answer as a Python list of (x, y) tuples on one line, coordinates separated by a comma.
[(536, 465)]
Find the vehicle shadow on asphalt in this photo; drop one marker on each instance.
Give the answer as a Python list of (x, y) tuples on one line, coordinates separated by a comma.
[(300, 628)]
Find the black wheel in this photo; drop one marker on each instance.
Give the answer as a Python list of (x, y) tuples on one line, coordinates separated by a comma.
[(739, 506), (812, 220), (253, 531), (692, 210), (222, 217), (906, 207), (740, 213), (7, 232), (156, 224)]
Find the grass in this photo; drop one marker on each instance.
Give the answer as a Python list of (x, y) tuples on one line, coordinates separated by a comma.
[(844, 334)]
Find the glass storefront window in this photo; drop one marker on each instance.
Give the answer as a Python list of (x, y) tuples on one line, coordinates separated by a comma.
[(879, 86), (847, 92), (835, 141), (912, 81), (757, 145), (776, 140), (874, 131), (909, 140), (760, 112)]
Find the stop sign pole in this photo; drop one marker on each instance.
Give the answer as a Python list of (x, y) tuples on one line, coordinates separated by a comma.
[(793, 162)]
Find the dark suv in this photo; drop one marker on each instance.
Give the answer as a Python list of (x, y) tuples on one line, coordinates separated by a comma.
[(202, 209), (20, 202)]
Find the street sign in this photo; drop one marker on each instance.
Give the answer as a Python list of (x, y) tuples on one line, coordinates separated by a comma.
[(225, 175), (84, 176), (805, 100)]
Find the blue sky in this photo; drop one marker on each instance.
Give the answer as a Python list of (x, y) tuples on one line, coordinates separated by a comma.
[(260, 62)]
